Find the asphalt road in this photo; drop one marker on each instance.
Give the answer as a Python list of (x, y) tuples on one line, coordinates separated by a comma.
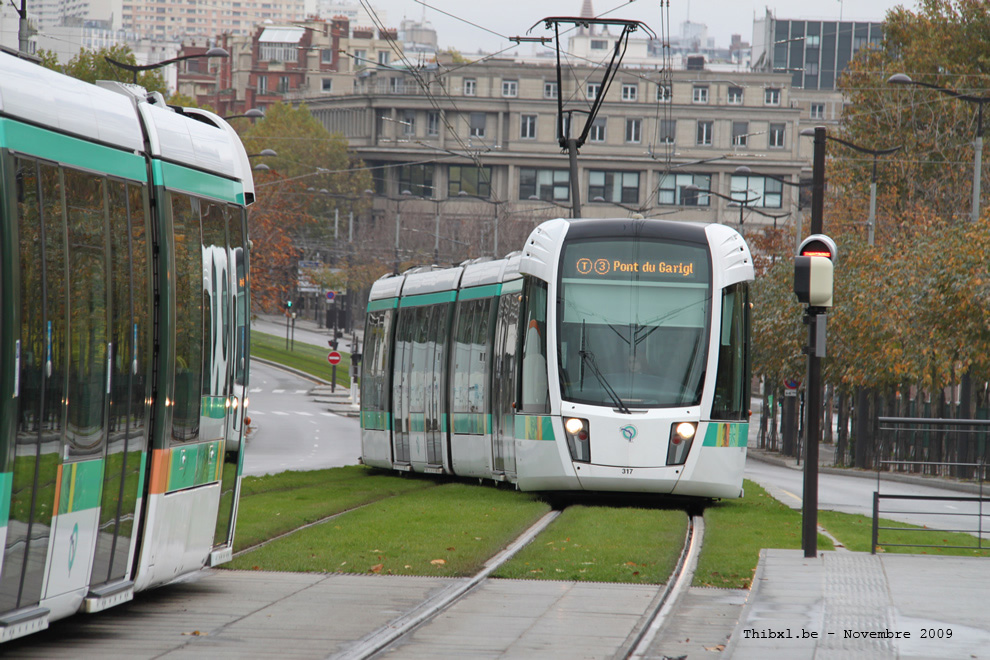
[(291, 431)]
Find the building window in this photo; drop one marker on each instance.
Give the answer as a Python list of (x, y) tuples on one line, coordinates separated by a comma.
[(777, 136), (599, 44), (278, 52), (360, 58), (700, 94), (510, 88), (478, 120), (597, 133), (262, 85), (812, 40), (767, 189), (383, 57), (283, 84), (740, 133), (664, 93), (548, 185), (527, 127), (818, 111), (705, 131), (671, 189), (409, 122), (592, 90), (327, 85), (417, 179), (634, 130), (668, 131), (326, 56), (811, 68), (470, 86), (735, 95), (469, 179), (433, 123), (771, 96), (630, 92), (549, 90), (614, 186)]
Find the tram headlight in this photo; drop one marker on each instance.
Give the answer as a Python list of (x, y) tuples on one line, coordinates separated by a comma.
[(681, 438), (578, 439)]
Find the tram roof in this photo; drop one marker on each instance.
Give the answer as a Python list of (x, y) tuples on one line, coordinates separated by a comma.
[(44, 97)]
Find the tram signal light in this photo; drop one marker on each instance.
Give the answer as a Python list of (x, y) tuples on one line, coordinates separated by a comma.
[(813, 271)]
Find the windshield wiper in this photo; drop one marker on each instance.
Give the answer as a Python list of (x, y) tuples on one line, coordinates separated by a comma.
[(589, 358)]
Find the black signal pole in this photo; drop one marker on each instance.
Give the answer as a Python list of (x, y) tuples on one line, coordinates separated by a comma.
[(812, 424)]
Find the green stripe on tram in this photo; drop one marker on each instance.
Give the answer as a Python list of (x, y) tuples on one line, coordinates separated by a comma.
[(512, 286), (198, 468), (375, 420), (428, 299), (472, 423), (475, 292), (72, 151), (81, 487), (723, 434), (176, 177), (6, 481), (534, 427), (378, 305), (214, 407)]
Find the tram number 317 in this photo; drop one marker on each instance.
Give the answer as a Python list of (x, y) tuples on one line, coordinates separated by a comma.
[(627, 471)]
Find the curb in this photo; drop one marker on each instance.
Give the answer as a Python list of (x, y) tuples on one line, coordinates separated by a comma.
[(935, 482)]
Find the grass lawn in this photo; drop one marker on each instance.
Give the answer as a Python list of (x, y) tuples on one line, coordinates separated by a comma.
[(736, 530), (305, 357), (855, 532), (604, 544), (278, 503), (449, 530)]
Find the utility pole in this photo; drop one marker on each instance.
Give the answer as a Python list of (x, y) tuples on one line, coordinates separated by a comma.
[(567, 143)]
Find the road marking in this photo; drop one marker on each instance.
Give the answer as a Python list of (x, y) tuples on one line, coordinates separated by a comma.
[(254, 389), (329, 414), (304, 414), (787, 492), (279, 412), (278, 391), (258, 412), (302, 391)]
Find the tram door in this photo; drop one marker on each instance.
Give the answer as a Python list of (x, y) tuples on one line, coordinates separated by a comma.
[(233, 454), (130, 384), (39, 381), (504, 385)]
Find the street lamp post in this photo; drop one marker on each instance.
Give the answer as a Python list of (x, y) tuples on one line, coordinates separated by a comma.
[(980, 101), (135, 68)]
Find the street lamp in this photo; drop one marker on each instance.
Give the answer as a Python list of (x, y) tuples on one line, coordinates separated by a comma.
[(871, 220), (903, 79), (253, 113), (264, 153), (134, 68), (692, 188)]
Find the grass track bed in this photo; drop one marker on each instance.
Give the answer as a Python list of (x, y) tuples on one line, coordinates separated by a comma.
[(603, 544), (450, 530), (279, 503), (736, 530), (856, 532), (304, 357)]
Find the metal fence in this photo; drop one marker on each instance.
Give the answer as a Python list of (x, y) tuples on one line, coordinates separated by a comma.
[(927, 437)]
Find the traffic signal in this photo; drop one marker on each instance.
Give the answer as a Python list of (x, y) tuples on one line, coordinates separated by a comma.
[(288, 304), (813, 271)]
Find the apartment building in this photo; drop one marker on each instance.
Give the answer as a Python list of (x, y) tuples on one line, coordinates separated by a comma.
[(490, 129)]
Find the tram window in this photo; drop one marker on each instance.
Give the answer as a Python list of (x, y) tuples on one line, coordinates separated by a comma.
[(86, 216), (188, 317), (374, 396), (535, 385), (732, 377), (472, 351)]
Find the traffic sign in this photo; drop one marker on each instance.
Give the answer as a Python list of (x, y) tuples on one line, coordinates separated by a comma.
[(791, 384), (331, 295), (334, 358)]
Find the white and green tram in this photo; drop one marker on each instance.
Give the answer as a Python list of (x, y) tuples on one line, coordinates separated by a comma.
[(123, 342), (607, 355)]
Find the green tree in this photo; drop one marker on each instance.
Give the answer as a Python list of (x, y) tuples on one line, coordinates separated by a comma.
[(92, 65)]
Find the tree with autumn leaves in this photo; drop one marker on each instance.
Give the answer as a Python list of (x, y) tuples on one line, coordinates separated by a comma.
[(912, 312), (312, 176)]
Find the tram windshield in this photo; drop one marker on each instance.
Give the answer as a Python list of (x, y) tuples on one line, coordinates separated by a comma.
[(633, 318)]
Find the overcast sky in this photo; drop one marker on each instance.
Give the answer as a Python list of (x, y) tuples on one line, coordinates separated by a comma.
[(510, 18)]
